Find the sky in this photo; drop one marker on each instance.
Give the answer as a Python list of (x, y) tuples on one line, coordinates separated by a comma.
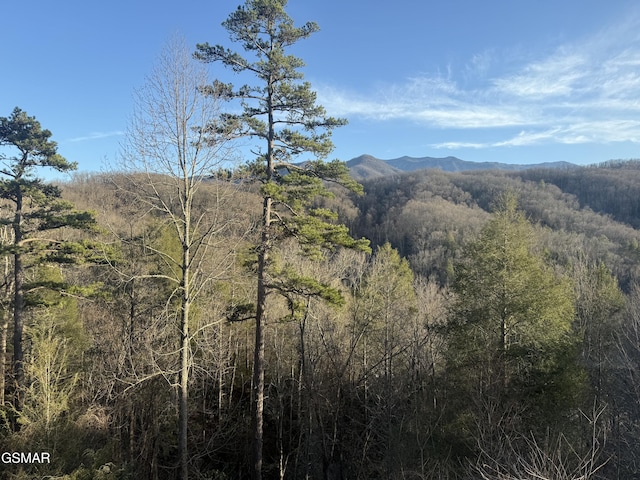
[(515, 81)]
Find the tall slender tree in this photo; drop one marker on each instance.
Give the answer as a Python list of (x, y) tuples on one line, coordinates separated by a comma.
[(279, 110), (511, 345), (384, 308), (167, 159), (36, 207)]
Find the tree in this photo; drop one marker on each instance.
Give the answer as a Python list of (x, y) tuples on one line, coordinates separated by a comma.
[(511, 344), (36, 207), (6, 295), (384, 311), (625, 439), (53, 365), (599, 304), (168, 157), (281, 111)]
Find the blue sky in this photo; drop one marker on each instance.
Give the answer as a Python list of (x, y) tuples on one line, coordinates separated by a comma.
[(499, 80)]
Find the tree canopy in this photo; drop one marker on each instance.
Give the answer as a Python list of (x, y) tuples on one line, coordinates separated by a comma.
[(279, 110), (37, 207)]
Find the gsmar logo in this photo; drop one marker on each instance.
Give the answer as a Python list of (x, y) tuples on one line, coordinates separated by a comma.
[(25, 457)]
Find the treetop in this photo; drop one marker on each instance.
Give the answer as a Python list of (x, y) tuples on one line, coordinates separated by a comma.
[(33, 142), (258, 18)]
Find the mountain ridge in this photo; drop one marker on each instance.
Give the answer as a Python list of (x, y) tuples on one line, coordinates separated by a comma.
[(367, 166)]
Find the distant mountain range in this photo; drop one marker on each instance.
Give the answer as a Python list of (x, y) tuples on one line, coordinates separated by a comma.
[(367, 166)]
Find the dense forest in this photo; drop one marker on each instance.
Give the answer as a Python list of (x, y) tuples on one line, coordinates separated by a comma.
[(191, 315), (416, 372)]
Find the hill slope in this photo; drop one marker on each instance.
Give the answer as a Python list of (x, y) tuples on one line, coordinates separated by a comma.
[(368, 166), (428, 215)]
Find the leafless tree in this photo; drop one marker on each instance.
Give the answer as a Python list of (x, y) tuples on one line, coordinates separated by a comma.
[(171, 163), (551, 458)]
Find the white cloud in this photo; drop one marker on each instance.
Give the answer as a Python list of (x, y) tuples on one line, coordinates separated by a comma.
[(431, 101), (96, 136), (471, 117), (605, 131), (582, 92), (523, 138), (556, 76), (459, 145)]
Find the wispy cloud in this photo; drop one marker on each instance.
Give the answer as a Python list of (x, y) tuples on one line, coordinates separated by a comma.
[(604, 131), (432, 101), (96, 136), (582, 92), (554, 77)]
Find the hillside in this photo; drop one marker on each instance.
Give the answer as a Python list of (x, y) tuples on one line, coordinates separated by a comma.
[(367, 166), (612, 188), (428, 215), (398, 356)]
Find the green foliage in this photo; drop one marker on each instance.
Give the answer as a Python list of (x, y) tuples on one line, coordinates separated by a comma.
[(505, 285), (511, 337), (265, 31), (281, 110), (52, 375), (34, 149), (33, 144), (164, 247), (38, 205), (386, 304), (389, 279), (241, 311), (599, 295), (289, 283)]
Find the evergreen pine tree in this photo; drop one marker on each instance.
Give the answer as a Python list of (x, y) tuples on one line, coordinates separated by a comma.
[(280, 111), (512, 349), (37, 207)]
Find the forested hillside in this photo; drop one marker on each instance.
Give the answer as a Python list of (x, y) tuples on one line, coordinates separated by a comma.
[(406, 376), (429, 215), (611, 188)]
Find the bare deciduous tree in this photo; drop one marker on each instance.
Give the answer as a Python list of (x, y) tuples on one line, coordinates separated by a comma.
[(528, 458), (171, 163)]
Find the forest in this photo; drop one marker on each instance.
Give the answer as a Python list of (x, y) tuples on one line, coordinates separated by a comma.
[(199, 313)]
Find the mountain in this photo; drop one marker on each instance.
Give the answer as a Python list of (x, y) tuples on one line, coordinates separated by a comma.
[(367, 166), (428, 215)]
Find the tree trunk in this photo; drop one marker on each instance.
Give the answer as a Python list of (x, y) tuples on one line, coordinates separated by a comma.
[(3, 353), (183, 411), (258, 355), (18, 307), (261, 304), (183, 408), (4, 333)]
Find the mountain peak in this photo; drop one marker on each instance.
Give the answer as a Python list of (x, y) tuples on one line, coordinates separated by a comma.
[(367, 166)]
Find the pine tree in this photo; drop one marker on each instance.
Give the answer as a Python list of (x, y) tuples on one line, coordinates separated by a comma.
[(511, 343), (37, 207), (280, 111)]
